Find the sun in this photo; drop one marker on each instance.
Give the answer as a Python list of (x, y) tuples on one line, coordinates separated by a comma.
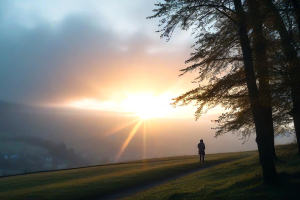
[(145, 106), (145, 113)]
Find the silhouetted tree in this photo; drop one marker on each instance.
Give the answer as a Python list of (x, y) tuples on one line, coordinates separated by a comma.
[(293, 69), (273, 70), (221, 31)]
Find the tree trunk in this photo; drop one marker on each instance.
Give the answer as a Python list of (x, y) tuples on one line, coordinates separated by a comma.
[(296, 117), (267, 162), (293, 67), (262, 67)]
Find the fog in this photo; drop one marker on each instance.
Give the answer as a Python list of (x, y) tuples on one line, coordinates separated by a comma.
[(103, 133), (90, 137)]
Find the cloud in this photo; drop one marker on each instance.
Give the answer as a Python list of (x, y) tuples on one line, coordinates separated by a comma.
[(124, 17), (80, 58)]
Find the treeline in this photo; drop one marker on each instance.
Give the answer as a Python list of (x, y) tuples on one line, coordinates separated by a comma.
[(247, 56), (58, 152)]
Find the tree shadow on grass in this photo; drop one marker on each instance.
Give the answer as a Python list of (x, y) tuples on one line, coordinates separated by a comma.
[(287, 188), (253, 188), (178, 195), (289, 176)]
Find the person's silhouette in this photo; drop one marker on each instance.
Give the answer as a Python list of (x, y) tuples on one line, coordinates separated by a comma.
[(201, 151)]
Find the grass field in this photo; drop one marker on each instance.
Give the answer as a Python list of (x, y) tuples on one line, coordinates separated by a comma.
[(240, 179), (98, 181)]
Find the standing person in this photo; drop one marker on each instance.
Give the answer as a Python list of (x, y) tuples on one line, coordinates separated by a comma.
[(201, 147)]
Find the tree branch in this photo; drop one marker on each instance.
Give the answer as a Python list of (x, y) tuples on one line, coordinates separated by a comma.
[(235, 22)]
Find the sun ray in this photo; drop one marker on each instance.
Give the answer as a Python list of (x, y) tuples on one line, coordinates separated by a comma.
[(154, 128), (130, 136), (120, 127), (144, 139)]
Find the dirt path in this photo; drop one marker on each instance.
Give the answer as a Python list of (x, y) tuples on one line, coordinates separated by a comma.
[(136, 189)]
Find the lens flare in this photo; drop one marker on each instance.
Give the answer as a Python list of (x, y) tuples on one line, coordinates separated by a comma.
[(146, 106), (129, 138)]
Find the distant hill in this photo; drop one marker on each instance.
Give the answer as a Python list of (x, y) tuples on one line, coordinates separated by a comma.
[(15, 157), (10, 106), (85, 130), (16, 147), (22, 154)]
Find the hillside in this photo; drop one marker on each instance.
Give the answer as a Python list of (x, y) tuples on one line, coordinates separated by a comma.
[(240, 179), (13, 157), (21, 154), (101, 181)]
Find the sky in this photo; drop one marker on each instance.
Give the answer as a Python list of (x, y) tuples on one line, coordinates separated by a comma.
[(99, 54)]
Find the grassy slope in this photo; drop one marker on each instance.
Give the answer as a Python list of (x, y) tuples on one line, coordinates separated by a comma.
[(97, 181), (235, 180)]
